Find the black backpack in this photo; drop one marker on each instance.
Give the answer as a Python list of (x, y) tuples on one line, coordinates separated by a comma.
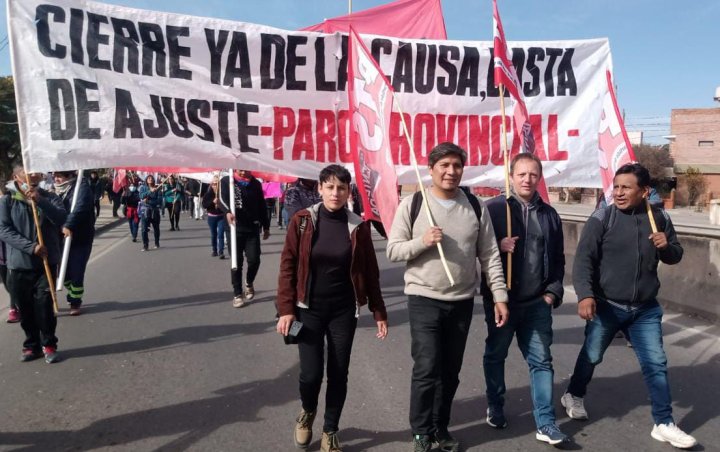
[(416, 205)]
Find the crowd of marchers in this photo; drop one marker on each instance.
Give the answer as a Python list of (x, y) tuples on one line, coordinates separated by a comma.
[(328, 273)]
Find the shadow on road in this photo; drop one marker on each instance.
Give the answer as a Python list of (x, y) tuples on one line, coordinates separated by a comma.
[(189, 421)]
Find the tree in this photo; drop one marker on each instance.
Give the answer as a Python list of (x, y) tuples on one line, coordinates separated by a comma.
[(10, 151), (656, 159), (696, 184)]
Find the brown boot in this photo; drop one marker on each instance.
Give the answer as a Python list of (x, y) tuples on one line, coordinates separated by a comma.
[(303, 429), (330, 442)]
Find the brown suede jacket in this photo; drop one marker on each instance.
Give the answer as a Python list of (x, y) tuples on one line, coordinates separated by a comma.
[(294, 277)]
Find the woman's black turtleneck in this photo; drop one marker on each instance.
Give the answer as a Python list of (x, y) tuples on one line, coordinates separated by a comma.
[(330, 259)]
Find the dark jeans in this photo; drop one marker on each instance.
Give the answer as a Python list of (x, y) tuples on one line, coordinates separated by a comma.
[(96, 203), (31, 291), (531, 323), (134, 226), (115, 205), (438, 330), (248, 244), (173, 210), (75, 272), (337, 324), (645, 332), (153, 220), (217, 233)]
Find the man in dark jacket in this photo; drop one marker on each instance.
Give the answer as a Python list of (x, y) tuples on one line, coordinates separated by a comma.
[(97, 186), (80, 225), (615, 278), (303, 194), (249, 216), (27, 281), (538, 264)]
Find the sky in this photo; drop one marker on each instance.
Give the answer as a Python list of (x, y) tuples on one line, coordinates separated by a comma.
[(666, 53)]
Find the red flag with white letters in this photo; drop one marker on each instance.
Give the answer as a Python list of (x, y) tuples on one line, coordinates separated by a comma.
[(614, 145), (370, 101), (505, 74)]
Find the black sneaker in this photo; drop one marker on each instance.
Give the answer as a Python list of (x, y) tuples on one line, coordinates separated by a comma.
[(445, 441), (29, 354), (422, 443), (214, 254), (496, 417)]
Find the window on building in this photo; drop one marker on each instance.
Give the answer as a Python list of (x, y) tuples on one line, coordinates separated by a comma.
[(706, 143)]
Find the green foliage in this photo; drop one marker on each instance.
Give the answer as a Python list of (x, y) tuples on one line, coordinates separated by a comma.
[(656, 159), (10, 151)]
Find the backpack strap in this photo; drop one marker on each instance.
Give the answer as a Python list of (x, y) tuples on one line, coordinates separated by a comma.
[(303, 224), (416, 205)]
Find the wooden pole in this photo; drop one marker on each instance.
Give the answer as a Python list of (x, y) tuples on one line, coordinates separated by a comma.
[(41, 242), (651, 217), (422, 190), (508, 217)]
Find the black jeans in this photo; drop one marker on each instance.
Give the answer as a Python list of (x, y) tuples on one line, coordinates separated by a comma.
[(248, 244), (438, 331), (31, 291), (337, 324), (96, 204)]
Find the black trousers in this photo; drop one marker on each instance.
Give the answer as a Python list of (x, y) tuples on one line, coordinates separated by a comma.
[(173, 210), (248, 245), (438, 331), (31, 292), (151, 218), (75, 272), (337, 324), (3, 277)]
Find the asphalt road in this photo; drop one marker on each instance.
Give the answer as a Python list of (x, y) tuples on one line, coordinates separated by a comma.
[(160, 360)]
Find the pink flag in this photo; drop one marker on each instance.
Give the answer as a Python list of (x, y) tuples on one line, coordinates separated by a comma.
[(402, 19), (370, 100), (120, 180), (506, 75), (271, 189), (614, 146)]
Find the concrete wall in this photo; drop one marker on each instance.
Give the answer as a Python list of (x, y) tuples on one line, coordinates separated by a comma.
[(692, 286)]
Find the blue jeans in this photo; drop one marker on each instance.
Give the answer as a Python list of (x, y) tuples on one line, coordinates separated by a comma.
[(531, 323), (645, 332), (134, 226), (217, 233)]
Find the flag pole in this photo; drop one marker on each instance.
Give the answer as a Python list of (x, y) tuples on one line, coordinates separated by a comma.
[(508, 217), (68, 239), (422, 189), (41, 242), (651, 217), (233, 225)]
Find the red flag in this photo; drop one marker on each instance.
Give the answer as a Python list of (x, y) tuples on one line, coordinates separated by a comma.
[(614, 146), (370, 101), (120, 180), (505, 74), (422, 19)]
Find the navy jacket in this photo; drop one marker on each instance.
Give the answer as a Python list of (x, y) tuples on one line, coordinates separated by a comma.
[(81, 220), (554, 256)]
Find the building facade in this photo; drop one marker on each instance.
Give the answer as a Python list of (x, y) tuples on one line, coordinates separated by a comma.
[(695, 142)]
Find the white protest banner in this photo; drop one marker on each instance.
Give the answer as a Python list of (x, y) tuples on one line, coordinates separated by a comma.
[(99, 85)]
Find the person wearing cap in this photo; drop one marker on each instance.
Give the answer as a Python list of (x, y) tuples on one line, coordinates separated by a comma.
[(80, 225)]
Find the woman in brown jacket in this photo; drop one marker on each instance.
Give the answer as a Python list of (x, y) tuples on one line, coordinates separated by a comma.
[(328, 270)]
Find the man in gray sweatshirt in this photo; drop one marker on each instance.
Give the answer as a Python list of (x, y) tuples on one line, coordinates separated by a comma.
[(441, 313)]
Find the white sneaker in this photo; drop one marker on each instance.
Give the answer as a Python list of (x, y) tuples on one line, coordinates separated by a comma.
[(238, 301), (670, 433), (574, 406)]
